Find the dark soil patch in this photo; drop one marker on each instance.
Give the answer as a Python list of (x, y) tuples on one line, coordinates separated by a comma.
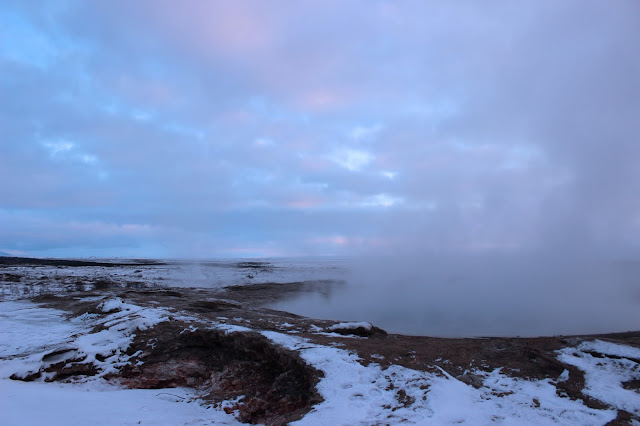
[(358, 331), (278, 387), (214, 306), (624, 418), (600, 355), (267, 293), (103, 284), (65, 370), (10, 278), (632, 385)]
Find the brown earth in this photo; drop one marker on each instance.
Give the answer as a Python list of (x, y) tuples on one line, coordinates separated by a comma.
[(276, 386)]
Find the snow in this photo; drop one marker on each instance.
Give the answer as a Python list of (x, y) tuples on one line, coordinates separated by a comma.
[(111, 305), (42, 279), (35, 404), (24, 337), (32, 337), (355, 394), (231, 328), (604, 374), (30, 332), (20, 327), (350, 326)]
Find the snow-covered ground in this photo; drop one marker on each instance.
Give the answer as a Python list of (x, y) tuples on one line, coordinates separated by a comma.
[(173, 273), (355, 394), (30, 334), (33, 337), (35, 404)]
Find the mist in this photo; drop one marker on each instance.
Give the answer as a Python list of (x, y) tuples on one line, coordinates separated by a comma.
[(485, 294)]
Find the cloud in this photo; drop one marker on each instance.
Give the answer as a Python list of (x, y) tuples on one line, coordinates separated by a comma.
[(426, 125), (383, 200), (352, 159), (364, 133)]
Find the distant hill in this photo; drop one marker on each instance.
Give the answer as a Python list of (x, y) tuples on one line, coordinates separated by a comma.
[(5, 254), (13, 260)]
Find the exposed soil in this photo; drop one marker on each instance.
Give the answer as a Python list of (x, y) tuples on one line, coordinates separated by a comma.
[(276, 385)]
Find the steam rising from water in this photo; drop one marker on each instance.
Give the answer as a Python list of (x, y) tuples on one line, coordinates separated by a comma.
[(486, 295)]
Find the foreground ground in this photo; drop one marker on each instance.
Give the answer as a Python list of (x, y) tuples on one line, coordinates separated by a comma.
[(110, 348)]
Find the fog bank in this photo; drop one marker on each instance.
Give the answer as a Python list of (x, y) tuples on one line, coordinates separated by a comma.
[(486, 294)]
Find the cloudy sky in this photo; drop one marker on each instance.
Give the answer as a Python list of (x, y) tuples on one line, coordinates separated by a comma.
[(279, 128)]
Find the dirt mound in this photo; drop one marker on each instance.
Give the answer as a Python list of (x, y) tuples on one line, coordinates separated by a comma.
[(360, 331), (274, 384)]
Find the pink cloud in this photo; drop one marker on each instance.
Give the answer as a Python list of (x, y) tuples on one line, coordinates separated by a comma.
[(266, 42), (320, 100), (148, 92), (338, 240), (231, 28), (344, 241), (305, 203)]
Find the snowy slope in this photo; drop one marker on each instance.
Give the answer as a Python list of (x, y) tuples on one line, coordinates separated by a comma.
[(30, 333), (353, 393)]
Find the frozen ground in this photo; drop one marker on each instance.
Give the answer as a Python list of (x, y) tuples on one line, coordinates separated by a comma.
[(33, 338), (29, 333), (436, 300), (62, 360), (19, 281)]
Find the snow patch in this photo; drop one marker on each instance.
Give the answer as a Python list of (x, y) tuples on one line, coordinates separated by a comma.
[(350, 326), (100, 404), (72, 339), (32, 338), (606, 366), (355, 394), (231, 328), (111, 305)]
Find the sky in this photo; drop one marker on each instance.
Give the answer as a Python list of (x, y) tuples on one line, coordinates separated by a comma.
[(275, 128)]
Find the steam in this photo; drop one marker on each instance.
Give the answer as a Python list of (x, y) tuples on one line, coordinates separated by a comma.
[(486, 294)]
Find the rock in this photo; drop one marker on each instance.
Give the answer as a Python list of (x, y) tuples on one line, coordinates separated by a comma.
[(362, 329), (471, 380)]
